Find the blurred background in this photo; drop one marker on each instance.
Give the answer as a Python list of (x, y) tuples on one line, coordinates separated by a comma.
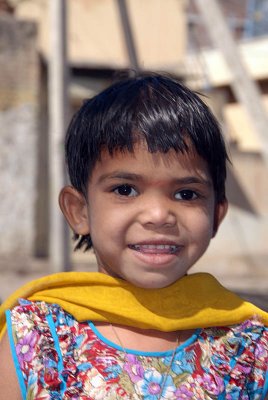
[(56, 53)]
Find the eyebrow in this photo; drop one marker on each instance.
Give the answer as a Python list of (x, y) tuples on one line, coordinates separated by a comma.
[(121, 175)]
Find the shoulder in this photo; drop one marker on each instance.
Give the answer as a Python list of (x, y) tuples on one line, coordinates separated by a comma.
[(251, 337), (239, 352), (32, 308), (248, 333), (28, 315), (31, 329), (30, 321)]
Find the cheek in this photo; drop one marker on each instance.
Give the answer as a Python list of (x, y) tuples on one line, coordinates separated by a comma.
[(107, 221), (207, 226), (201, 225)]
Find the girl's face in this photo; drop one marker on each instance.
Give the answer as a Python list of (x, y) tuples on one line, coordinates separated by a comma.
[(150, 216)]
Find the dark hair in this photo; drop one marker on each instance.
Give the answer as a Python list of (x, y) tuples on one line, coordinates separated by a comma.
[(154, 108)]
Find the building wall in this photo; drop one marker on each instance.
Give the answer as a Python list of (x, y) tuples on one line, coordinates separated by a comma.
[(19, 79), (238, 255)]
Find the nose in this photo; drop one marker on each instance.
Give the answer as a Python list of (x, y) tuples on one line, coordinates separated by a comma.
[(156, 213)]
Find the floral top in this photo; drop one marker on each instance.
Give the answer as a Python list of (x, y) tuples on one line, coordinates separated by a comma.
[(57, 357)]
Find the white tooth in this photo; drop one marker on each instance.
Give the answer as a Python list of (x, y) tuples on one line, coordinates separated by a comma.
[(155, 246)]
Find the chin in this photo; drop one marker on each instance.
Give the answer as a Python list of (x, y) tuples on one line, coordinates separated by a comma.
[(154, 283)]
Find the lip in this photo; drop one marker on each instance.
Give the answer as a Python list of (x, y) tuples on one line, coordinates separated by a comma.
[(156, 252)]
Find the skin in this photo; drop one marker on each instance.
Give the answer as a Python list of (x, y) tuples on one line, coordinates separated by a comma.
[(8, 377), (150, 217)]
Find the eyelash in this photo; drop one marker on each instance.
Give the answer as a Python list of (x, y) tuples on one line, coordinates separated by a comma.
[(184, 193), (187, 192), (125, 187)]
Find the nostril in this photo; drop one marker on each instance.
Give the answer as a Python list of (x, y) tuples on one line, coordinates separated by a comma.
[(159, 219)]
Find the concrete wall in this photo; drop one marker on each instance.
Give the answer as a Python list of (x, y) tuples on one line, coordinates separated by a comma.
[(19, 85)]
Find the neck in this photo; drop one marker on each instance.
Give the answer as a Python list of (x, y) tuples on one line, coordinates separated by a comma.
[(150, 340)]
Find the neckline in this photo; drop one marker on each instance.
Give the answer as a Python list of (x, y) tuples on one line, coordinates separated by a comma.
[(167, 353)]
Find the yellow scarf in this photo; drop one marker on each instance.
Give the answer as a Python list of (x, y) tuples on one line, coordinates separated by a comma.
[(195, 301)]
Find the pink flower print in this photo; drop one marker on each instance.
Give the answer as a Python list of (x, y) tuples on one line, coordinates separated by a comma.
[(184, 393), (240, 371), (133, 368), (25, 347), (211, 384), (260, 352)]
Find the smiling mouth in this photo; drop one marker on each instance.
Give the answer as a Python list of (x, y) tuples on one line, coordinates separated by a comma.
[(155, 248)]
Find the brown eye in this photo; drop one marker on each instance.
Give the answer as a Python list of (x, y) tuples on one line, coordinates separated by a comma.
[(186, 195), (125, 190)]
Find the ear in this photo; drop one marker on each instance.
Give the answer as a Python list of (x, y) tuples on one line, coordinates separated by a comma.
[(219, 214), (74, 207)]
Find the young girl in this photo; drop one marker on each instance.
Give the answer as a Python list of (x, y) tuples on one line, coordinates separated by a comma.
[(147, 165)]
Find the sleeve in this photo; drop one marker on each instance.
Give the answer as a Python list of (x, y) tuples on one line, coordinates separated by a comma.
[(21, 377), (27, 325), (258, 380)]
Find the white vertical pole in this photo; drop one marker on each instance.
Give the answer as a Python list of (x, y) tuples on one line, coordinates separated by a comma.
[(58, 113)]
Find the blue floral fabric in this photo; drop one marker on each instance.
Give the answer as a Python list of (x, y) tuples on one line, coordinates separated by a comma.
[(60, 358)]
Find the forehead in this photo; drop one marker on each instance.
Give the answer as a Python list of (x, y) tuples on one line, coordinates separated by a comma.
[(151, 166)]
